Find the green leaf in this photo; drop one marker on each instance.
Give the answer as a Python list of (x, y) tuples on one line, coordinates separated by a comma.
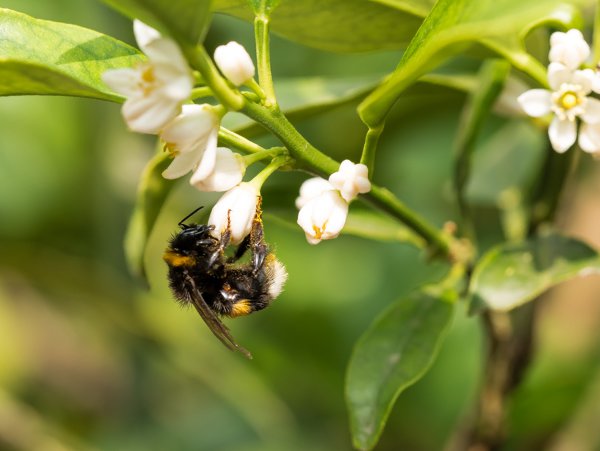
[(153, 190), (337, 25), (43, 57), (184, 20), (494, 170), (513, 274), (500, 24), (394, 353)]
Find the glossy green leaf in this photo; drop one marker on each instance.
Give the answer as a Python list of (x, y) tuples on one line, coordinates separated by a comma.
[(513, 274), (495, 169), (44, 57), (153, 190), (337, 25), (185, 20), (394, 353), (452, 24), (264, 7)]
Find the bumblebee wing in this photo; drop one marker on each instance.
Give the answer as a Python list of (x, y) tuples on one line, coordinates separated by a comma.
[(220, 330)]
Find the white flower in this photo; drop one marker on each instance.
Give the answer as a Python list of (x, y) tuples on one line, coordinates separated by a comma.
[(192, 139), (156, 88), (569, 49), (228, 172), (568, 100), (234, 62), (236, 208), (351, 179), (323, 217), (310, 189)]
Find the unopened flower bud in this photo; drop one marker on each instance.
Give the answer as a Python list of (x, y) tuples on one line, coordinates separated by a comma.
[(234, 62), (569, 49), (236, 209), (351, 179)]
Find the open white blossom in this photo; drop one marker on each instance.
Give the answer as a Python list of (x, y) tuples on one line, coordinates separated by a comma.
[(310, 189), (351, 179), (192, 139), (568, 100), (236, 208), (228, 172), (155, 89), (323, 217), (568, 49), (234, 62)]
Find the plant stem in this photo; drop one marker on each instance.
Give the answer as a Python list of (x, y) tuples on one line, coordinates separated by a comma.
[(263, 58), (510, 348), (370, 147), (263, 175), (200, 92), (232, 139), (227, 96), (310, 159), (265, 153)]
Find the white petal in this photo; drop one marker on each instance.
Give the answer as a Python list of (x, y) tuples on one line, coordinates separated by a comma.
[(323, 217), (558, 74), (166, 55), (536, 102), (562, 134), (144, 34), (181, 165), (589, 138), (193, 125), (123, 81), (591, 115), (229, 171), (234, 62), (148, 114), (239, 205), (209, 156), (310, 189), (585, 79)]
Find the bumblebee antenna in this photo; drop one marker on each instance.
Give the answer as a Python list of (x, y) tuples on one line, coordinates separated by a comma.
[(181, 223)]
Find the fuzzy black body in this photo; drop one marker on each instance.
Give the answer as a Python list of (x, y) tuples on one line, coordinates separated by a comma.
[(201, 275)]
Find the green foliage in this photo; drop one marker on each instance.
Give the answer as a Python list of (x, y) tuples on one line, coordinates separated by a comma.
[(497, 162), (513, 274), (153, 191), (185, 20), (450, 25), (336, 25), (43, 57), (394, 353)]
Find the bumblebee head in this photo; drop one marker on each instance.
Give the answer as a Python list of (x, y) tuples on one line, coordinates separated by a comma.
[(194, 239)]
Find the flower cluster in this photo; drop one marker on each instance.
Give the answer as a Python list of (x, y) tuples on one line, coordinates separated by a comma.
[(158, 101), (569, 98), (323, 204), (158, 94)]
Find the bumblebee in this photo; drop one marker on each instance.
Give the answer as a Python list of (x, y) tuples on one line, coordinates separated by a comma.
[(202, 275)]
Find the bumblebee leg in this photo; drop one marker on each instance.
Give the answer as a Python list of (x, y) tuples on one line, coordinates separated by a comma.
[(241, 250), (223, 242), (257, 243)]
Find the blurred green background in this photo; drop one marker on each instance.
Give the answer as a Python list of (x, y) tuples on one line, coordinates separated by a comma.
[(89, 359)]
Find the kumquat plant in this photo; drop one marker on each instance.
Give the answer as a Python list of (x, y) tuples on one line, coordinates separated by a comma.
[(384, 208)]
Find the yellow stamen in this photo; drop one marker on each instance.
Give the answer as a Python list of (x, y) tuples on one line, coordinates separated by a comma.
[(569, 100)]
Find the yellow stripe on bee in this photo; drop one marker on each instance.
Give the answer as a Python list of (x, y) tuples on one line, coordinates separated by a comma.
[(175, 259), (241, 308)]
